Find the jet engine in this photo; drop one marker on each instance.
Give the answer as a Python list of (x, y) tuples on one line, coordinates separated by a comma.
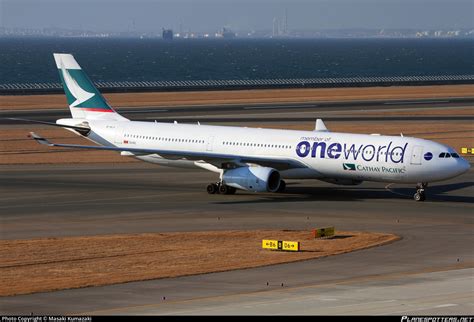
[(257, 179)]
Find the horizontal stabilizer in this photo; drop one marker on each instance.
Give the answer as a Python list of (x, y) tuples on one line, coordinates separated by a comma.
[(80, 129)]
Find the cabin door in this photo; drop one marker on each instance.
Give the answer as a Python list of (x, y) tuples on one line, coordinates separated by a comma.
[(416, 154), (210, 142)]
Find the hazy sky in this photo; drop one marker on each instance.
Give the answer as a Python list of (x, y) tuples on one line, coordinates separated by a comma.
[(211, 15)]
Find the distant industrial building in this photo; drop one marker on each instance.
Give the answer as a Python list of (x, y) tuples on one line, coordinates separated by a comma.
[(280, 26), (167, 34), (227, 33)]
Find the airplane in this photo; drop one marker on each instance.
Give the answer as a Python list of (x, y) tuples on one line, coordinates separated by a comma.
[(251, 159)]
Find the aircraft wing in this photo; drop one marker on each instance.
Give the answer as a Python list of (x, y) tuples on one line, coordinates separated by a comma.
[(217, 159)]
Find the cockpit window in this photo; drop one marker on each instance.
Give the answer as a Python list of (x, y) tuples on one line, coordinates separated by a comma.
[(448, 155)]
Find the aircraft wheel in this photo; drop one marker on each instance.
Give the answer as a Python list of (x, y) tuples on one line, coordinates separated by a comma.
[(212, 188), (223, 189), (419, 196)]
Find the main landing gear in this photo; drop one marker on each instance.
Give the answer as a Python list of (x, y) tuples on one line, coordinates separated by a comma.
[(220, 188), (420, 191)]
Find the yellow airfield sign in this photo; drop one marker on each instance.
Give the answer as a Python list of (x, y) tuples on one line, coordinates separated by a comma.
[(292, 246)]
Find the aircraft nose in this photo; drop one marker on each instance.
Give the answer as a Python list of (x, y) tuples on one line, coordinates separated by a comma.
[(463, 165)]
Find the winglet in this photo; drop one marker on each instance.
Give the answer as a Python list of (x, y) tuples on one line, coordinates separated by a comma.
[(320, 127), (40, 139)]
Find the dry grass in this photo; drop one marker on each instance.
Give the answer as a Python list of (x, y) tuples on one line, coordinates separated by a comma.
[(48, 264), (457, 111), (58, 101)]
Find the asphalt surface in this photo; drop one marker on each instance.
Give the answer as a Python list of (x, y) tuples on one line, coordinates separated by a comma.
[(267, 112), (429, 271)]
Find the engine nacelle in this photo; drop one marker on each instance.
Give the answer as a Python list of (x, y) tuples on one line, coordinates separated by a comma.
[(342, 182), (257, 179)]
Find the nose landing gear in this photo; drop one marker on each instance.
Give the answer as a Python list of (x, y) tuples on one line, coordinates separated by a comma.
[(420, 191)]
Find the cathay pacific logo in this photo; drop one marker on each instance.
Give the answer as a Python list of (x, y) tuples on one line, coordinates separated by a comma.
[(349, 166), (79, 94)]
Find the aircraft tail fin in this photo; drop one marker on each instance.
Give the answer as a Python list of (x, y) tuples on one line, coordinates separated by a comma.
[(84, 99)]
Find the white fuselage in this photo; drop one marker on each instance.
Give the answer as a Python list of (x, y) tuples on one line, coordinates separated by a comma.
[(325, 155)]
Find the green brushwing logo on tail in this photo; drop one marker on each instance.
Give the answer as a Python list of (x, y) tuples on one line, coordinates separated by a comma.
[(349, 166), (80, 91)]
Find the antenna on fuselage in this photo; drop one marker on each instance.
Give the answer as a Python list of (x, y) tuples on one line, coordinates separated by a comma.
[(319, 126), (401, 134)]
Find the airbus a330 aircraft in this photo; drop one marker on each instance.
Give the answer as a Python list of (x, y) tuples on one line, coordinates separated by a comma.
[(252, 159)]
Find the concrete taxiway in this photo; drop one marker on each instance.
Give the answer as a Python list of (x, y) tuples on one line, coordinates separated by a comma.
[(430, 271)]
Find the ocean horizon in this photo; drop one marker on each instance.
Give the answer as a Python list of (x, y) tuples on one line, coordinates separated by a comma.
[(30, 60)]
